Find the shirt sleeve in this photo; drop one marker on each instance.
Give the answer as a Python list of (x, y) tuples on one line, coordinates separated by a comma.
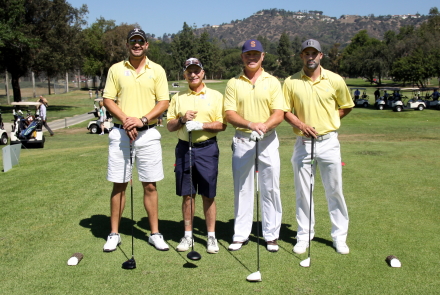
[(277, 96), (172, 113), (288, 102), (220, 113), (230, 100), (162, 92), (343, 95), (110, 85)]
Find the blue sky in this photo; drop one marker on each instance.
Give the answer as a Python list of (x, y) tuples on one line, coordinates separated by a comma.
[(159, 17)]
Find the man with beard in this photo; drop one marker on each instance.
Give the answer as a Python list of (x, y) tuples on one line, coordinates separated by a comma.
[(136, 93), (317, 100)]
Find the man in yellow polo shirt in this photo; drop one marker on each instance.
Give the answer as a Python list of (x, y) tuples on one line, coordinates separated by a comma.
[(198, 111), (317, 100), (132, 89), (254, 106)]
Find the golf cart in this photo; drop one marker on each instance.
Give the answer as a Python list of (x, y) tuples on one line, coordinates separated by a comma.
[(360, 97), (95, 126), (27, 129), (435, 102), (3, 132), (415, 103), (386, 100)]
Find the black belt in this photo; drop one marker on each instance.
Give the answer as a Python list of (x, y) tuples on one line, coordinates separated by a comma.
[(200, 144), (146, 127)]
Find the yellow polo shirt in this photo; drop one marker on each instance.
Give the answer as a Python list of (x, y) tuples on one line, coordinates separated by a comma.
[(209, 105), (317, 103), (136, 94), (254, 102)]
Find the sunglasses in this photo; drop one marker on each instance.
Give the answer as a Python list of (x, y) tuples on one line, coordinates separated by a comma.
[(141, 42)]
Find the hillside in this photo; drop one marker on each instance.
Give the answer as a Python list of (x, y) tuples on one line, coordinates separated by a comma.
[(313, 24)]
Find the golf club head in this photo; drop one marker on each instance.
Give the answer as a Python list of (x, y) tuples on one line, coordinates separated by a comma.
[(129, 264), (254, 277), (193, 255), (305, 262)]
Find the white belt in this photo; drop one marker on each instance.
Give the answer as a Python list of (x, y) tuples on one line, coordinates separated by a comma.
[(320, 137)]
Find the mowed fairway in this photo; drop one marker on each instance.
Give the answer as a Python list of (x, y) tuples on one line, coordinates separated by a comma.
[(56, 202)]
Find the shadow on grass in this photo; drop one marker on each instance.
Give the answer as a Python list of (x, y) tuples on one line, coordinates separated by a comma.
[(173, 231)]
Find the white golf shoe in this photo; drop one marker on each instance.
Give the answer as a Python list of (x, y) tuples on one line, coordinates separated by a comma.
[(236, 245), (301, 246), (212, 245), (113, 241), (184, 244), (341, 247), (272, 246), (157, 241)]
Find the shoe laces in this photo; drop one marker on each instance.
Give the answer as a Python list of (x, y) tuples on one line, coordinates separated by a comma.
[(211, 241), (186, 240)]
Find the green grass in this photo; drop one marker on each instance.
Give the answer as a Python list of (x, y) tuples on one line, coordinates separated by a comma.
[(56, 202)]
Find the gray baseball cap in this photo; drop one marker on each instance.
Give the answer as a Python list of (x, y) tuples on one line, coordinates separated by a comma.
[(311, 43)]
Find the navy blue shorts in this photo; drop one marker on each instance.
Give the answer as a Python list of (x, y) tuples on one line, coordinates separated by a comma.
[(204, 159)]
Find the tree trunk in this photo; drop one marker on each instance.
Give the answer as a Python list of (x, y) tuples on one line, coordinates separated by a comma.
[(67, 82), (7, 85), (48, 85), (33, 85), (15, 81)]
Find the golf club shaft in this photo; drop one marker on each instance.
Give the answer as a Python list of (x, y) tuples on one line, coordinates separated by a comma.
[(311, 190), (131, 197), (258, 205), (191, 187)]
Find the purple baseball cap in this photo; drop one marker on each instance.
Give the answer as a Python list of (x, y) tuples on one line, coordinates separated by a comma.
[(252, 44)]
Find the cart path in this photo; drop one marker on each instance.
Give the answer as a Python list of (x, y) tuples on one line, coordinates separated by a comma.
[(61, 123)]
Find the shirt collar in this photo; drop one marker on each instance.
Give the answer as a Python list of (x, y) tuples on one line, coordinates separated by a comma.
[(128, 64), (322, 76), (203, 91), (263, 75)]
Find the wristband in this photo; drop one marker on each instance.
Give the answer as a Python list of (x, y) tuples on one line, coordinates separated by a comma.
[(249, 125)]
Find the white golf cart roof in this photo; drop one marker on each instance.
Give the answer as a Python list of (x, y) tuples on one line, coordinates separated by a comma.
[(26, 103)]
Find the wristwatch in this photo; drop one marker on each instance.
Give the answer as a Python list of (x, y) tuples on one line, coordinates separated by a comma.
[(180, 121), (144, 120)]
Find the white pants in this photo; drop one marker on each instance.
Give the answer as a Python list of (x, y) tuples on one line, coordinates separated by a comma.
[(147, 154), (327, 155), (243, 162)]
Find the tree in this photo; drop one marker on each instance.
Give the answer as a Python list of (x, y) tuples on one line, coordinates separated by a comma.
[(160, 52), (334, 58), (95, 60), (205, 52), (184, 45), (285, 53), (38, 35)]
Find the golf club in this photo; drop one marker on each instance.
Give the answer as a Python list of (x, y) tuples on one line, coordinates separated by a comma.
[(306, 262), (193, 255), (131, 263), (256, 276)]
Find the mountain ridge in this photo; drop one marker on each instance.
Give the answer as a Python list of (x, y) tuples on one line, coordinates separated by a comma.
[(313, 24)]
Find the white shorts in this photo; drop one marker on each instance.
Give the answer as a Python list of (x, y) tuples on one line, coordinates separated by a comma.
[(147, 154)]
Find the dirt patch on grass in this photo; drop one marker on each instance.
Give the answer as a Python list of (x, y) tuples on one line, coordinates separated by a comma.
[(72, 131)]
